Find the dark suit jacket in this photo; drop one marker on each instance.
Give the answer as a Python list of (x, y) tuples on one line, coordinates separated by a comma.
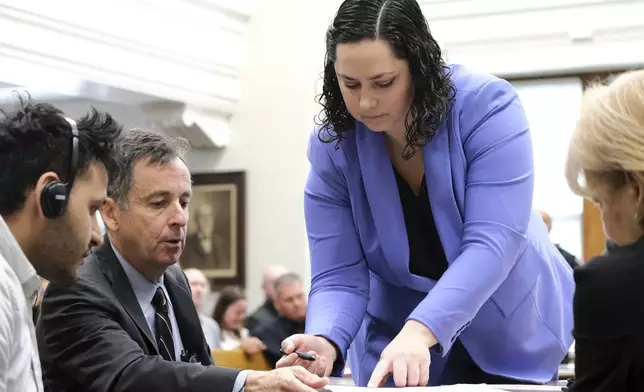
[(570, 258), (609, 322), (264, 315), (273, 333), (93, 337)]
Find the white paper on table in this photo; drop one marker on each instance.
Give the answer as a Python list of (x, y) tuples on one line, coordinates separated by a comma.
[(448, 388)]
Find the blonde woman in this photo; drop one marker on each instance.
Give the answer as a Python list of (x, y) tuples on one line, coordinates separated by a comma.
[(606, 164)]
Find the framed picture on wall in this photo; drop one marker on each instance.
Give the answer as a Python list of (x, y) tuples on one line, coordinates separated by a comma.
[(215, 241)]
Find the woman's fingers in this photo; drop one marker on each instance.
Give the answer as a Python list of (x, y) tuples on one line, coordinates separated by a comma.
[(400, 372)]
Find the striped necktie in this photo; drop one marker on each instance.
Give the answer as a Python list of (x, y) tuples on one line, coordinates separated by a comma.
[(163, 325)]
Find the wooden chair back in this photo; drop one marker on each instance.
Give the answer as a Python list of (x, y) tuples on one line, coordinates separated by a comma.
[(238, 359)]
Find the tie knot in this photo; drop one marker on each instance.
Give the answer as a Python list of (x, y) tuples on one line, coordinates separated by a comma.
[(159, 300)]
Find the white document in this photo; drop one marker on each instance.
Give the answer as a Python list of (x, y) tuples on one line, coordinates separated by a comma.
[(450, 388)]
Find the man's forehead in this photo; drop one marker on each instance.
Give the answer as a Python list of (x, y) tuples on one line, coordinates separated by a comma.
[(94, 181), (158, 177), (290, 287)]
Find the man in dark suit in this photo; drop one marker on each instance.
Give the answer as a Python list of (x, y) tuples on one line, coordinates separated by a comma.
[(128, 323), (290, 301), (569, 257), (267, 312)]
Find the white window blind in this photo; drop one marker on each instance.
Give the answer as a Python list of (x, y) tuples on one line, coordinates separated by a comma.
[(552, 107)]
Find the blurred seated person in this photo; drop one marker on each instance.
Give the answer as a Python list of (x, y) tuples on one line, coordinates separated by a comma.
[(200, 288), (291, 303), (570, 258), (606, 164), (266, 312), (230, 314)]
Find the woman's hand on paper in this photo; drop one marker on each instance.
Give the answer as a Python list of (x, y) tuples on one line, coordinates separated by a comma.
[(406, 358), (322, 349)]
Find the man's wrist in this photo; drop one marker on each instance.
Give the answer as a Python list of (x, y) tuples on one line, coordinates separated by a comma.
[(252, 382)]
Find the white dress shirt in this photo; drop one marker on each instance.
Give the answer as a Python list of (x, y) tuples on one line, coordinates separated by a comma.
[(19, 284)]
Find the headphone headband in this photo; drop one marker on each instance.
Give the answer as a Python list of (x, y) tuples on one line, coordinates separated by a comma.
[(55, 196), (73, 161)]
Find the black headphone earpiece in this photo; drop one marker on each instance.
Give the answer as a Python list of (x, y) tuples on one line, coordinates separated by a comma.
[(55, 196), (53, 199)]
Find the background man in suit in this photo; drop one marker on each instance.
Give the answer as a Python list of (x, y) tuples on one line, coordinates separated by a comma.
[(128, 323), (569, 257), (290, 301), (266, 313), (47, 218)]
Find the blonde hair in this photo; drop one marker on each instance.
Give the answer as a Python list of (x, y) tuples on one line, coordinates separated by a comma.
[(608, 142)]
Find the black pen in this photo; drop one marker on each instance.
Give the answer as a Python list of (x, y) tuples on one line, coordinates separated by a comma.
[(301, 355)]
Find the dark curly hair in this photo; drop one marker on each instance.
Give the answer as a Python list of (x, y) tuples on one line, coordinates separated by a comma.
[(227, 296), (402, 24), (36, 138)]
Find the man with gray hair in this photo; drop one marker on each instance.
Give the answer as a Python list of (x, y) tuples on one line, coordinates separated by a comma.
[(200, 288), (267, 312), (128, 323), (291, 303)]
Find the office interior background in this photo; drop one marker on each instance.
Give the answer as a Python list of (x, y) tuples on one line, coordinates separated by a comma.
[(238, 79)]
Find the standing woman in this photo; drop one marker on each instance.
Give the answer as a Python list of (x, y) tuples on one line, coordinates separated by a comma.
[(606, 164), (418, 211)]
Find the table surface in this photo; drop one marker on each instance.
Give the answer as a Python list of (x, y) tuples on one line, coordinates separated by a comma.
[(342, 383), (566, 371)]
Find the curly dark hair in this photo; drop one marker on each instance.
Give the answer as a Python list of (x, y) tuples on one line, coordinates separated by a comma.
[(36, 138), (402, 24)]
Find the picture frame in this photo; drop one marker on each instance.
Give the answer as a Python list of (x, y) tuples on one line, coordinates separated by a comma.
[(215, 242)]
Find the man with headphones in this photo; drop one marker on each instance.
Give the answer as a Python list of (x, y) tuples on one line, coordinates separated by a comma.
[(53, 179)]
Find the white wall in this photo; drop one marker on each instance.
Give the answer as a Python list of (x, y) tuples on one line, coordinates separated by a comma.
[(270, 131), (273, 107), (552, 107), (273, 120)]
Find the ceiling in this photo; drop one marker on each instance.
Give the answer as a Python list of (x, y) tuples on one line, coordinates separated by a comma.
[(67, 90)]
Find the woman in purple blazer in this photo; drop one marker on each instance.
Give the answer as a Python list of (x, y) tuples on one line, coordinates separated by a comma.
[(418, 212)]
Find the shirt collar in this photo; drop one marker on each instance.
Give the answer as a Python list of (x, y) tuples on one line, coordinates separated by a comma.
[(15, 257), (143, 288)]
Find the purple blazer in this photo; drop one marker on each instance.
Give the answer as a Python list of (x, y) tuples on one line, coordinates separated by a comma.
[(507, 293)]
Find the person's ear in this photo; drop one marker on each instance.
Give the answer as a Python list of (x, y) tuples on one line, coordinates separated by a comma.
[(635, 182), (44, 180), (110, 213)]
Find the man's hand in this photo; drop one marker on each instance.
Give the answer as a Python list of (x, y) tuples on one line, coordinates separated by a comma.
[(322, 349), (290, 379), (406, 357), (252, 345)]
